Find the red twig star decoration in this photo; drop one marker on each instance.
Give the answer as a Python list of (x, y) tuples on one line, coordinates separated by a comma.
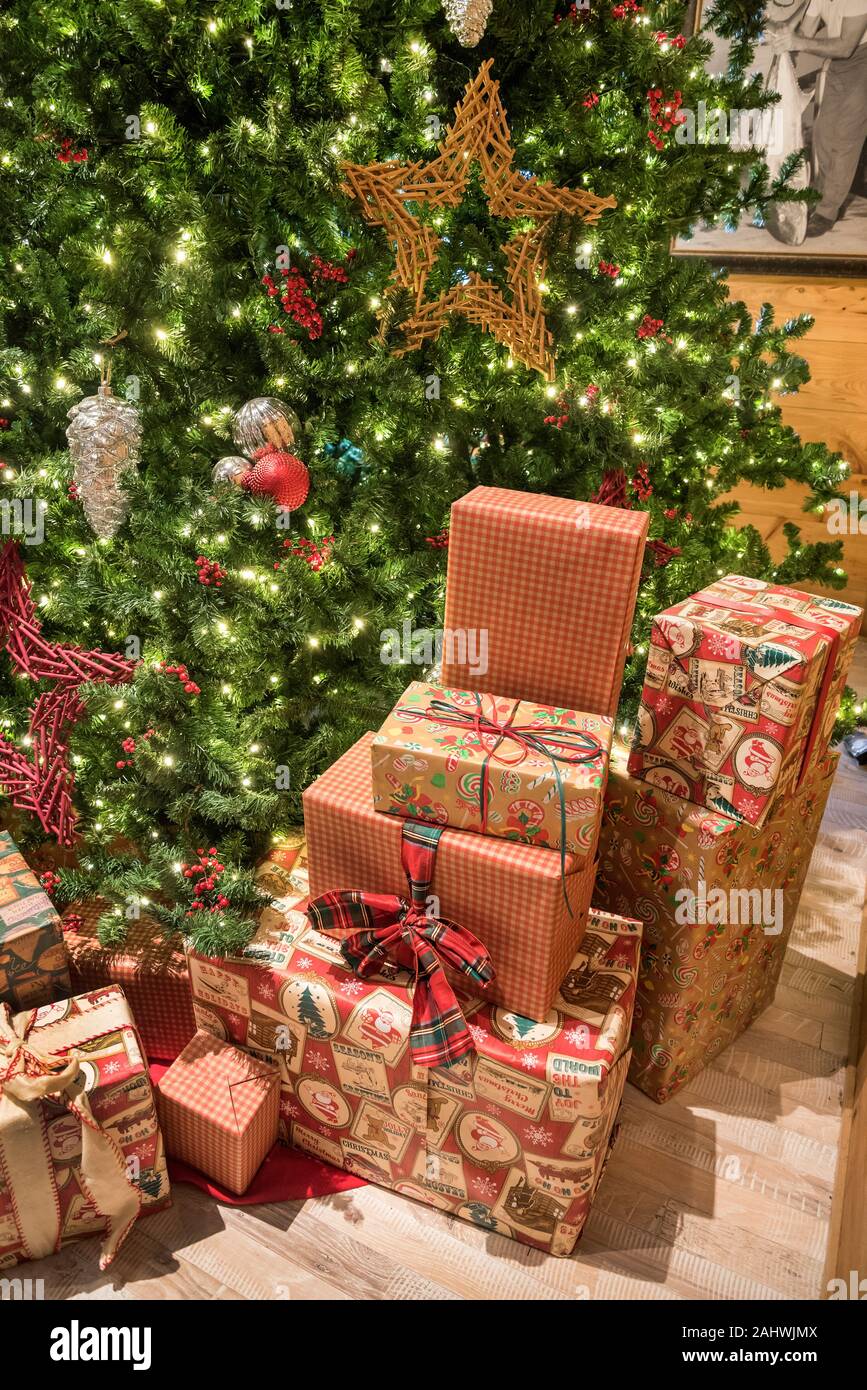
[(42, 784), (479, 134)]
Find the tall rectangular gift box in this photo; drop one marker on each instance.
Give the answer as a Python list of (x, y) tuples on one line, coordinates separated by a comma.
[(526, 905), (34, 968), (513, 1138), (150, 969), (743, 684), (718, 899), (541, 592), (81, 1153)]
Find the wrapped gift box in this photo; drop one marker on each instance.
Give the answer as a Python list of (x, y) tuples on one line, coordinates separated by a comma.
[(152, 972), (718, 899), (219, 1110), (34, 968), (514, 898), (442, 755), (743, 684), (86, 1157), (513, 1139), (541, 592)]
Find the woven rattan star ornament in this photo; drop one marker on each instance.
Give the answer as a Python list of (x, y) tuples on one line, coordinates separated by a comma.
[(480, 134)]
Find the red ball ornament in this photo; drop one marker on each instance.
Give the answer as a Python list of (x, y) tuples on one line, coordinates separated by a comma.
[(278, 475)]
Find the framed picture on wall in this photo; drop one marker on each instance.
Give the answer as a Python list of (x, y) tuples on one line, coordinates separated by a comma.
[(814, 54)]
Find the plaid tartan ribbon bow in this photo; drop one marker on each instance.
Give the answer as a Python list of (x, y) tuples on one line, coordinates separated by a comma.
[(385, 927)]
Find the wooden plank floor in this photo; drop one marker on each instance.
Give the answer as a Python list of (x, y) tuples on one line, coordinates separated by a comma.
[(725, 1192)]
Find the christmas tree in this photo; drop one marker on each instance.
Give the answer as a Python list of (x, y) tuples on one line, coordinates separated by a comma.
[(183, 193)]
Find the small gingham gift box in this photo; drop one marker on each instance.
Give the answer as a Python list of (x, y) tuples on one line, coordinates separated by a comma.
[(219, 1110)]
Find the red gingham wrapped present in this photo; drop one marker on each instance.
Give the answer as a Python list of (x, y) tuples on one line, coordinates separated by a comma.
[(743, 684), (511, 896), (552, 584), (219, 1110), (514, 1138), (152, 971)]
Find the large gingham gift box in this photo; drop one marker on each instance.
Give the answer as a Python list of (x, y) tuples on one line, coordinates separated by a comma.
[(543, 589), (718, 899), (81, 1152), (743, 684), (516, 899), (34, 968), (151, 970), (514, 1139), (219, 1110), (510, 768)]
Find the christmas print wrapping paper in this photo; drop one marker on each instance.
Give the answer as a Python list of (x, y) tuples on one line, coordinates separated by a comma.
[(703, 981), (516, 899), (540, 769), (514, 1139), (34, 968), (97, 1031), (543, 589), (743, 680), (219, 1110), (151, 970)]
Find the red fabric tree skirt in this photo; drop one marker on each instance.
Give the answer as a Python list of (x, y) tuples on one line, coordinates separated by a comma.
[(285, 1176)]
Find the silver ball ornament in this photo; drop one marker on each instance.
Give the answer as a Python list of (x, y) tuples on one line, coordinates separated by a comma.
[(230, 469), (265, 423)]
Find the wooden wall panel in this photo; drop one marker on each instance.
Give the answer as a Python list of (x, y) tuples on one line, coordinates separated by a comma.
[(831, 409)]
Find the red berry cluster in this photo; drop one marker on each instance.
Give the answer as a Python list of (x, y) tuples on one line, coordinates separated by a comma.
[(73, 921), (591, 100), (128, 746), (4, 422), (591, 392), (49, 880), (208, 870), (663, 114), (72, 492), (67, 155), (641, 483), (561, 418), (625, 9), (296, 301), (576, 14), (313, 553), (441, 541), (323, 271), (651, 328), (609, 268), (183, 676), (210, 571), (676, 40), (671, 514)]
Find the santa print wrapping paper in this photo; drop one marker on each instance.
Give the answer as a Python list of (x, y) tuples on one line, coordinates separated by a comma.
[(503, 767), (540, 593), (151, 970), (710, 963), (513, 1139), (219, 1110), (743, 679), (34, 968), (513, 897), (97, 1031)]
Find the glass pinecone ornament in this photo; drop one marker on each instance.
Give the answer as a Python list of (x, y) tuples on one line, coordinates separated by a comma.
[(467, 19), (265, 423), (104, 443)]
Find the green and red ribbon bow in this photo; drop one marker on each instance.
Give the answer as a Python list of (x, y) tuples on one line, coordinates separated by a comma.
[(580, 746), (384, 927)]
